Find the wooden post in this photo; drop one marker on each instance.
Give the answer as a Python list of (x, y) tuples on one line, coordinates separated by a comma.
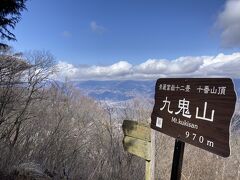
[(139, 139), (150, 165)]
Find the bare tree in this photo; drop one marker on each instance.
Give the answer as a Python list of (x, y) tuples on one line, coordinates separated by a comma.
[(21, 84)]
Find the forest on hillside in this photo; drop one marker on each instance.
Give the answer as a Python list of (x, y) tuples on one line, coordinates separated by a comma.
[(53, 131)]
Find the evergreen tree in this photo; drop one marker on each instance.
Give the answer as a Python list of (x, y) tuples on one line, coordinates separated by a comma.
[(10, 15)]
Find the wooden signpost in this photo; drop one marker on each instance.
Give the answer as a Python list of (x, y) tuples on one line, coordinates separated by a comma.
[(139, 140), (197, 111)]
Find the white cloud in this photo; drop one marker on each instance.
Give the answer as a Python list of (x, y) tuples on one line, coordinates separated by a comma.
[(97, 28), (114, 71), (65, 70), (200, 66), (119, 69), (229, 23), (222, 65), (177, 66)]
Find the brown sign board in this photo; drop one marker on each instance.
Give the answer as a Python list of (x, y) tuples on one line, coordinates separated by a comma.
[(197, 111)]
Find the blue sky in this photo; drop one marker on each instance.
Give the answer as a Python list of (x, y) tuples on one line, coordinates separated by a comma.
[(128, 33)]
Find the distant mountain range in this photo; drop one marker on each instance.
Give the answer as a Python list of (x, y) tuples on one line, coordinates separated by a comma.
[(116, 91)]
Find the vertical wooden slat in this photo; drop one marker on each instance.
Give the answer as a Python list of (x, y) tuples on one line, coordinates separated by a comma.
[(150, 165)]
